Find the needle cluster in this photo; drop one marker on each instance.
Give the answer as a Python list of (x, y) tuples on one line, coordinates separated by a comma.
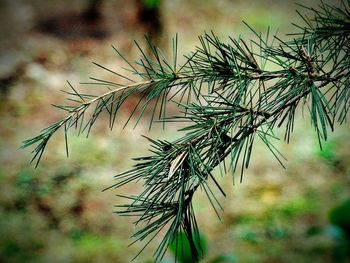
[(231, 94)]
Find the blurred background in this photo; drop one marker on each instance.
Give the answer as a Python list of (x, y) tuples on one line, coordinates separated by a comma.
[(58, 212)]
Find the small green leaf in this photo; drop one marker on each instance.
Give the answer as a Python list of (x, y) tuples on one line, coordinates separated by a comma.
[(180, 247)]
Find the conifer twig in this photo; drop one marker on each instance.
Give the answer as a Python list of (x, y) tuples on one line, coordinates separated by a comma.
[(231, 94)]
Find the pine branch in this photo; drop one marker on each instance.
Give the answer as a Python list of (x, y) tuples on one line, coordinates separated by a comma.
[(230, 94)]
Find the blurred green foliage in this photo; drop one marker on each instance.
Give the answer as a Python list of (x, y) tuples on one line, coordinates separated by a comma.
[(151, 3), (225, 259), (300, 205), (328, 153), (340, 216)]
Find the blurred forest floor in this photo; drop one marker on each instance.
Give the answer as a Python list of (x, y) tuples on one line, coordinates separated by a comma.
[(58, 212)]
